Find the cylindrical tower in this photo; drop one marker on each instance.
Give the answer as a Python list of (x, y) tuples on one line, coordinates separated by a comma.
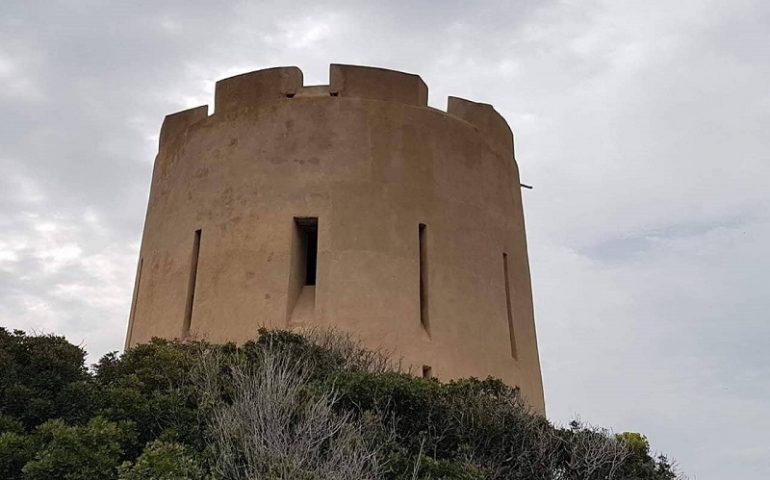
[(352, 205)]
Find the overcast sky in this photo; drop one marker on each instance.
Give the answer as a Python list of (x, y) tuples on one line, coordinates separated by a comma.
[(642, 125)]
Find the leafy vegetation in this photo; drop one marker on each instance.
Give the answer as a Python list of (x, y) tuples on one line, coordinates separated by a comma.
[(282, 407)]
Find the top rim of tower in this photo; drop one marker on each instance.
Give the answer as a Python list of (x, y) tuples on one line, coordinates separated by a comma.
[(251, 89)]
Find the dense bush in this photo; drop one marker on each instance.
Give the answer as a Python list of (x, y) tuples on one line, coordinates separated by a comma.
[(282, 407), (41, 377), (163, 461), (88, 452)]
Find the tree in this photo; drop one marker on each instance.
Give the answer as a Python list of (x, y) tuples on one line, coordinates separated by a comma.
[(163, 461), (41, 377), (16, 449), (640, 465), (285, 406), (89, 452), (150, 385)]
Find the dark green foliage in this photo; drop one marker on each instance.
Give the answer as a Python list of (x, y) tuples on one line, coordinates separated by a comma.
[(89, 452), (323, 362), (150, 385), (145, 414), (408, 400), (430, 469), (641, 465), (452, 422), (16, 449), (423, 467), (161, 365), (10, 424), (37, 372), (163, 461)]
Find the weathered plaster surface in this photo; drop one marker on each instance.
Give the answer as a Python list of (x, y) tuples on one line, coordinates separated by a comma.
[(369, 159)]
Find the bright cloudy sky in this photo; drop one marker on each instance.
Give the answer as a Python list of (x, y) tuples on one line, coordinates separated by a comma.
[(643, 126)]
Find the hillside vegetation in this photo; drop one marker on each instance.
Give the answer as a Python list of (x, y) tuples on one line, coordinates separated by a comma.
[(282, 407)]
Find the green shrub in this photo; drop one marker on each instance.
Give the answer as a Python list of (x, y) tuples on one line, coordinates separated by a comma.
[(163, 461), (152, 413), (16, 449), (89, 452), (36, 372), (640, 465), (421, 467), (151, 386), (10, 424)]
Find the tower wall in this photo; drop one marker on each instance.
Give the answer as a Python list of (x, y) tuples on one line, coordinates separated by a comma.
[(370, 161)]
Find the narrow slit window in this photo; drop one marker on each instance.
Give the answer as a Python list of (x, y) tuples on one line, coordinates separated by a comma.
[(424, 277), (307, 228), (427, 371), (508, 306), (191, 283)]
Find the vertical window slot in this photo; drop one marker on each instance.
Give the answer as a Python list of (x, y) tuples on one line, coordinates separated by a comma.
[(307, 228), (427, 371), (191, 284), (508, 306), (424, 317), (303, 267)]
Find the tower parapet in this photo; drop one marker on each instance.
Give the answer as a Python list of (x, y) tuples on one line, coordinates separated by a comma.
[(484, 117), (377, 84), (351, 205), (252, 89), (249, 89), (175, 124)]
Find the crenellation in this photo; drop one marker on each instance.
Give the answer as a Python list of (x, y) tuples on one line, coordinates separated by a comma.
[(483, 116), (176, 123), (313, 91), (351, 81), (251, 88), (377, 84)]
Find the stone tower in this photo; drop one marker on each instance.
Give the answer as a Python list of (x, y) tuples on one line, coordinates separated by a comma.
[(351, 205)]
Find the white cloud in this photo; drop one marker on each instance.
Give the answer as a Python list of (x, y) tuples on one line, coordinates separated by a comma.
[(303, 33), (18, 83)]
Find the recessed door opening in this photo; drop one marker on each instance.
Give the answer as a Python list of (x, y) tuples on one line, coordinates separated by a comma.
[(303, 271), (307, 229)]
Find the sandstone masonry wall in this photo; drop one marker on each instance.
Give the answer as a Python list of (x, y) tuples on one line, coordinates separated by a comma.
[(414, 215)]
